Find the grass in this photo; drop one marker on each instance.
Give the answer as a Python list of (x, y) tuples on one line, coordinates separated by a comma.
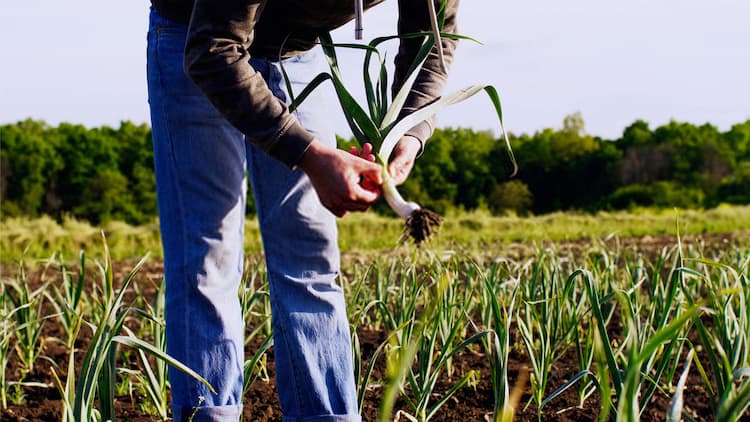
[(34, 238)]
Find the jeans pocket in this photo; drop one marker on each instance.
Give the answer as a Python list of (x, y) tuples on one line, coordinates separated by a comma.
[(167, 54)]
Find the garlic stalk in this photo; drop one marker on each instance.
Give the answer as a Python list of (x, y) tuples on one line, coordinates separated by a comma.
[(436, 33), (421, 223), (381, 123), (395, 200)]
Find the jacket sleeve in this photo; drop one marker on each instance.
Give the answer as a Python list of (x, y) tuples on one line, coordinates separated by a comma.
[(430, 82), (216, 59)]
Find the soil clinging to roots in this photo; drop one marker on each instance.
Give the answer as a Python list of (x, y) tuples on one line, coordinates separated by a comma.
[(422, 224)]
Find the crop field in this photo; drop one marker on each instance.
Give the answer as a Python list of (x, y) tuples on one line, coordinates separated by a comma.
[(564, 317)]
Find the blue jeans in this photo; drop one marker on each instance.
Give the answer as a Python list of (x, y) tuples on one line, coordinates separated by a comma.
[(201, 162)]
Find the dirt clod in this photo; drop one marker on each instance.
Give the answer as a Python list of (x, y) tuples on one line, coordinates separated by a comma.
[(422, 224)]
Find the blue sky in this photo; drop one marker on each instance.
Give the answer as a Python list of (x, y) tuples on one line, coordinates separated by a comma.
[(83, 61)]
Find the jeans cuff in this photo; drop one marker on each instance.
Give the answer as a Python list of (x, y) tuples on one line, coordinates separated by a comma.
[(324, 418), (208, 414)]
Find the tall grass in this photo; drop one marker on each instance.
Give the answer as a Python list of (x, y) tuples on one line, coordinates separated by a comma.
[(35, 239)]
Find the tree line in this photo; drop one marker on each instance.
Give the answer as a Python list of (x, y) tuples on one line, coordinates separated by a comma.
[(106, 173)]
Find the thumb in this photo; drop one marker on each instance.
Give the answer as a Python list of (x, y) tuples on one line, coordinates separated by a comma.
[(366, 195), (373, 172), (399, 169)]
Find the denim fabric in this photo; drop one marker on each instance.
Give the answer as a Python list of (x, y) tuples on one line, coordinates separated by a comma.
[(201, 162)]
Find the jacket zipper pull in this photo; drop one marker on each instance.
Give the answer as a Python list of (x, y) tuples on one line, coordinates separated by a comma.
[(358, 11)]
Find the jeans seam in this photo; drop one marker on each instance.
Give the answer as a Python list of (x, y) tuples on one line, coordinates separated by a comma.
[(295, 366), (178, 190), (273, 80)]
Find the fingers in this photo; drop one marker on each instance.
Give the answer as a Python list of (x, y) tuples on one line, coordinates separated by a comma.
[(356, 190), (358, 200), (367, 149), (369, 177), (345, 182), (402, 159), (366, 153), (364, 188), (373, 172), (369, 180), (364, 198)]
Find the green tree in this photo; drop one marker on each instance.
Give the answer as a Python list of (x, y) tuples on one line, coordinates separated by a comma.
[(136, 163), (432, 182), (107, 198), (567, 168), (660, 194), (736, 188), (108, 173), (474, 177), (27, 160), (638, 133), (456, 170), (512, 195), (738, 140), (86, 155)]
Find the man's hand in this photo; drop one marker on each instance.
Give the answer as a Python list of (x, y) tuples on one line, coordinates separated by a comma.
[(336, 177), (402, 158), (366, 154)]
